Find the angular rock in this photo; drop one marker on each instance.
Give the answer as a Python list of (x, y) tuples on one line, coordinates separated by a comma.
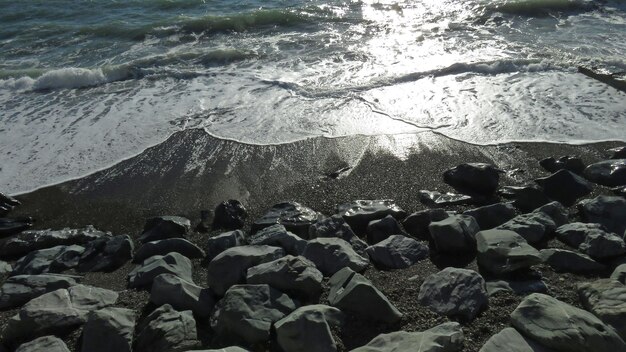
[(503, 251), (352, 292), (606, 299), (278, 236), (454, 234), (563, 261), (7, 203), (109, 329), (360, 212), (171, 263), (397, 252), (619, 274), (167, 330), (336, 226), (294, 216), (569, 163), (510, 340), (164, 227), (534, 227), (565, 187), (307, 329), (225, 349), (520, 288), (29, 241), (229, 215), (525, 198), (247, 312), (332, 254), (10, 227), (50, 260), (618, 152), (490, 216), (162, 247), (106, 254), (574, 234), (563, 327), (296, 276), (224, 241), (447, 337), (605, 210), (438, 199), (417, 223), (473, 178), (379, 230), (603, 245), (608, 173), (555, 210), (181, 295), (230, 267), (17, 290), (44, 344)]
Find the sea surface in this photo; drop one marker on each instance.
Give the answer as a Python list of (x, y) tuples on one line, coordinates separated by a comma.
[(84, 84)]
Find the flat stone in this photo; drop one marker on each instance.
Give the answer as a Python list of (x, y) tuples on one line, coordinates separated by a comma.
[(608, 172), (454, 234), (332, 254), (224, 241), (29, 241), (164, 227), (106, 254), (555, 210), (606, 299), (574, 234), (503, 251), (490, 216), (447, 337), (525, 198), (533, 227), (229, 215), (510, 340), (109, 329), (162, 247), (603, 245), (605, 210), (19, 289), (278, 236), (182, 295), (50, 260), (294, 216), (307, 329), (619, 274), (360, 212), (473, 178), (565, 187), (44, 344), (564, 261), (167, 330), (397, 252), (379, 230), (569, 163), (171, 263), (417, 223), (520, 288), (438, 199)]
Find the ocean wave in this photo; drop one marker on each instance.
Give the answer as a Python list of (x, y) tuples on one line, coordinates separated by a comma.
[(538, 8)]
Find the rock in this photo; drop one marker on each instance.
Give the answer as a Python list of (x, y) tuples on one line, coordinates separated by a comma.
[(57, 312), (10, 227), (534, 227), (619, 274), (230, 267), (181, 295), (618, 152), (563, 327), (520, 288), (29, 241), (162, 247), (510, 340), (226, 349), (397, 252), (555, 210), (503, 251), (563, 261), (359, 213), (17, 290), (5, 268), (606, 210), (109, 329), (50, 260), (164, 227), (607, 173), (7, 203), (525, 198), (44, 344), (606, 299), (603, 245), (294, 216), (224, 241), (490, 216), (167, 330), (307, 329), (247, 312), (296, 276), (438, 199), (229, 215), (352, 292), (565, 187), (620, 191), (454, 292), (379, 230), (417, 223), (569, 163), (336, 226), (473, 178), (332, 254), (171, 263), (278, 236), (446, 337), (454, 234), (106, 254), (574, 234)]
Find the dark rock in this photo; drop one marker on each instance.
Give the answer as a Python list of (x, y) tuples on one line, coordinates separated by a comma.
[(574, 234), (510, 340), (608, 173), (229, 215), (17, 290), (307, 329), (606, 299), (336, 226), (603, 245), (520, 288), (563, 261), (454, 234), (379, 230), (50, 260), (565, 187), (332, 254), (106, 254), (503, 251), (490, 216), (164, 227), (294, 216), (438, 199), (181, 295), (360, 212), (109, 329), (278, 236), (10, 227), (7, 203), (447, 337), (619, 274), (555, 210), (606, 210), (534, 227), (569, 163), (417, 223), (618, 153), (171, 263), (473, 178), (525, 198), (162, 247), (224, 241), (29, 241), (397, 252), (167, 330), (44, 344), (620, 191)]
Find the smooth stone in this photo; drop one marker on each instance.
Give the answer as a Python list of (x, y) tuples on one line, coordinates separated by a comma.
[(534, 227), (167, 330), (565, 187), (307, 329), (438, 199), (336, 226), (618, 152), (332, 254), (229, 215), (446, 337), (520, 288), (509, 340), (11, 227), (29, 241), (109, 329), (224, 241), (182, 295), (503, 251), (352, 292), (564, 261), (294, 216), (171, 263), (296, 276), (606, 299), (397, 252), (106, 254), (360, 212), (569, 163), (575, 233), (379, 230), (606, 210), (555, 210), (603, 245), (607, 173), (230, 267), (525, 198), (19, 289), (162, 247), (563, 327), (278, 236), (490, 216), (164, 227), (619, 273), (247, 312), (50, 260), (473, 178), (454, 234), (44, 344), (417, 223)]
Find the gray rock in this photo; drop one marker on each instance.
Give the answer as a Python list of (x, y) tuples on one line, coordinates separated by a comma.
[(606, 210), (164, 227), (297, 276), (181, 295), (278, 236), (563, 261), (225, 349), (229, 215), (438, 199), (619, 274), (50, 260), (171, 263), (569, 163), (618, 152), (44, 344), (563, 327), (490, 216), (397, 252), (447, 337), (503, 251), (534, 227), (454, 234), (606, 299), (336, 226), (247, 312), (417, 223), (520, 288), (555, 210), (294, 216), (230, 267), (574, 234), (603, 245), (619, 191), (525, 198), (29, 241), (109, 329), (473, 178), (360, 212), (167, 330), (454, 292), (106, 254), (17, 290), (307, 329), (11, 227), (379, 230), (565, 187), (352, 292), (7, 203), (608, 172), (5, 268), (224, 241), (510, 340), (332, 254), (162, 247), (57, 312)]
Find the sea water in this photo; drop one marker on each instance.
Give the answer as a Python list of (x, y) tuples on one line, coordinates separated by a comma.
[(84, 84)]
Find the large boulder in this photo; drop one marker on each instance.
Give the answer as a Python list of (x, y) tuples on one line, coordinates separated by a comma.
[(490, 216), (556, 211), (181, 295), (247, 312), (163, 227), (307, 329), (29, 241), (509, 340), (332, 254), (575, 233), (171, 263), (224, 241), (336, 226), (397, 252), (167, 330), (17, 290), (564, 261), (229, 215), (294, 216), (534, 227), (569, 163), (454, 292), (472, 178), (162, 247), (454, 234), (297, 276), (106, 254), (565, 187), (417, 223), (603, 245), (44, 344), (447, 337), (109, 329), (352, 292), (606, 299), (278, 236), (608, 173), (606, 210), (230, 267), (525, 198), (379, 230), (50, 260), (503, 251), (563, 327), (360, 212)]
